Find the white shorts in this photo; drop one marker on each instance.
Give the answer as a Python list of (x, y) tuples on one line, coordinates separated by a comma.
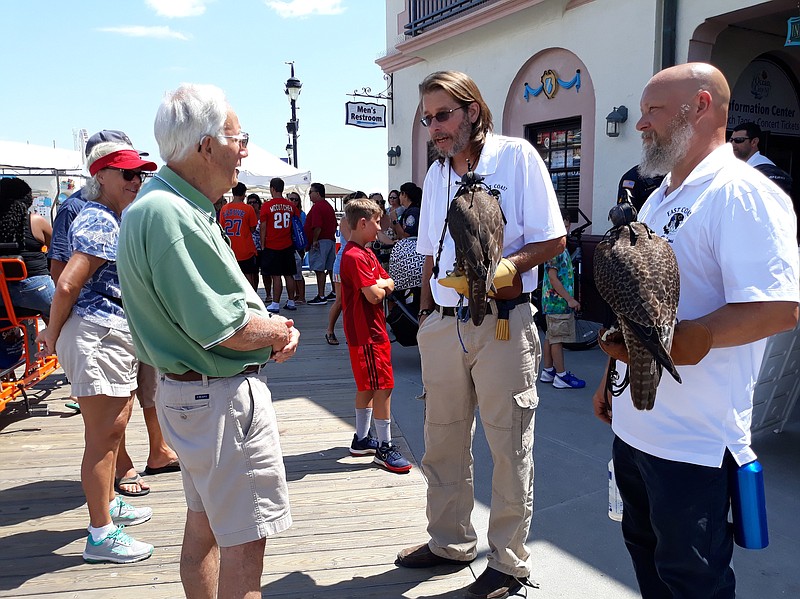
[(97, 360)]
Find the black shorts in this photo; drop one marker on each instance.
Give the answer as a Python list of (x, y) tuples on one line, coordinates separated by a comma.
[(249, 266), (278, 262)]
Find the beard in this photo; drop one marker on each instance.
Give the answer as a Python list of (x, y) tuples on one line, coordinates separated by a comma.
[(461, 139), (661, 155)]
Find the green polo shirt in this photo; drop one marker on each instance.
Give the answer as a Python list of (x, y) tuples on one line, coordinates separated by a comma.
[(183, 290)]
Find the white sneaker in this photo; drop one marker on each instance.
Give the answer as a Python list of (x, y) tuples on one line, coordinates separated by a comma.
[(117, 547), (547, 375), (124, 513), (274, 307)]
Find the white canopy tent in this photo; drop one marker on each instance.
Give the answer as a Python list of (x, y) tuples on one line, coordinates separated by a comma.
[(53, 173), (260, 166)]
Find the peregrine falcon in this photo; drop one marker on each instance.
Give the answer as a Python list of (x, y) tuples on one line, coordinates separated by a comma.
[(636, 272), (476, 224)]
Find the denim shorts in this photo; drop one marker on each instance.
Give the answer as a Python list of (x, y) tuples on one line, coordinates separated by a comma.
[(33, 293)]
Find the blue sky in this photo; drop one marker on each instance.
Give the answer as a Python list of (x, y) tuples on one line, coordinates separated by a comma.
[(100, 64)]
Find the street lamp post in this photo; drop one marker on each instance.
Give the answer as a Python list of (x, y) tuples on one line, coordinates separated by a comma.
[(293, 86)]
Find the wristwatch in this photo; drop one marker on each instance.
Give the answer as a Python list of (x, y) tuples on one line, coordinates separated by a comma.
[(425, 312), (394, 222)]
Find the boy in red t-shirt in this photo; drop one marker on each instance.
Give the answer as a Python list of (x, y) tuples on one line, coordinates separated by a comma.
[(364, 286)]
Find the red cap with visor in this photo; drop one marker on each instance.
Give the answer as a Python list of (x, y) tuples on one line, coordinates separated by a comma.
[(121, 159)]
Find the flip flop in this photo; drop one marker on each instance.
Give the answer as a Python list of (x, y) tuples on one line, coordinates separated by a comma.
[(130, 480), (173, 466), (331, 339)]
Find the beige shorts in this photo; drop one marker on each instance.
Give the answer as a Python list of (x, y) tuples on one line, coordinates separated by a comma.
[(148, 382), (560, 328), (96, 359), (226, 436)]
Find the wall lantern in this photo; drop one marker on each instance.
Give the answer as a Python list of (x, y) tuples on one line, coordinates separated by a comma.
[(614, 119), (393, 154)]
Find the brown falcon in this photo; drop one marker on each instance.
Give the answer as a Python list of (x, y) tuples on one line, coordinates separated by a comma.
[(636, 272), (476, 224)]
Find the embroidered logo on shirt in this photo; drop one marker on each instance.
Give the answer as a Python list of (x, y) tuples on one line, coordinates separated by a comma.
[(677, 216)]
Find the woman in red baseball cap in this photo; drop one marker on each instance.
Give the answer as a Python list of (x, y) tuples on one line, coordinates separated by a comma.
[(90, 335)]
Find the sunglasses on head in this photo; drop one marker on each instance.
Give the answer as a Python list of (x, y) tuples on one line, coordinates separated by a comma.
[(739, 140), (128, 174), (440, 117)]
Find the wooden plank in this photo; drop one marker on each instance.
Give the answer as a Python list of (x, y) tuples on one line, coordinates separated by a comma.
[(350, 516)]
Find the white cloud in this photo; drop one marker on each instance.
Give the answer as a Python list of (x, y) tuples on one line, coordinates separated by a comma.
[(154, 32), (178, 8), (303, 8)]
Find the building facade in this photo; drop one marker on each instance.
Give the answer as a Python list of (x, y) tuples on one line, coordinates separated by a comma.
[(556, 71)]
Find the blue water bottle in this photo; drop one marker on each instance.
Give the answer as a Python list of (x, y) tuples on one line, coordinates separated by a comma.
[(749, 506)]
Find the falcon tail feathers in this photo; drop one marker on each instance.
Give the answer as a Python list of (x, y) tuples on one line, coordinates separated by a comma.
[(477, 301), (651, 340)]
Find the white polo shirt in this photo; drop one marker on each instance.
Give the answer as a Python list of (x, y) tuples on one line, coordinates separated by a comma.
[(512, 166), (734, 236)]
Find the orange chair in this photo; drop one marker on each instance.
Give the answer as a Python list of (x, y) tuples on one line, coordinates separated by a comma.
[(16, 323)]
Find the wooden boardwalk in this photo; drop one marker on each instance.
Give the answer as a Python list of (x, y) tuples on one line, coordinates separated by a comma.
[(350, 517)]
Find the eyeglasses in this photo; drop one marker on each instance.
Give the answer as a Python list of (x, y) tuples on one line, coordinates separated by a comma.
[(440, 117), (739, 140), (243, 138), (128, 174), (394, 197)]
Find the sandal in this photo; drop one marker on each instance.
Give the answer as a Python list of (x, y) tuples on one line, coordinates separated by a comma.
[(331, 339), (130, 480), (173, 466)]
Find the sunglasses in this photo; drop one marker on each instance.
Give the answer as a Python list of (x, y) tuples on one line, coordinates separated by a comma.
[(128, 174), (394, 197), (243, 138), (440, 117), (739, 140)]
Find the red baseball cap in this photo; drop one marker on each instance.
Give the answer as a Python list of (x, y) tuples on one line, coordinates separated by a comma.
[(121, 159)]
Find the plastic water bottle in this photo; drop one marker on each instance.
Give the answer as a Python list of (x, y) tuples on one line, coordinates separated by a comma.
[(749, 506), (614, 499)]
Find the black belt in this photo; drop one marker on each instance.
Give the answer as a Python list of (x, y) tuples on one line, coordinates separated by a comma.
[(463, 312), (191, 375)]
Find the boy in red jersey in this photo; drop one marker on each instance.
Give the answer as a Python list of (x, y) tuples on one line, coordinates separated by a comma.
[(364, 286)]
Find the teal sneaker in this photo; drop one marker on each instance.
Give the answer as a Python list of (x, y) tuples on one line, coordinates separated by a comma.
[(124, 513), (118, 548)]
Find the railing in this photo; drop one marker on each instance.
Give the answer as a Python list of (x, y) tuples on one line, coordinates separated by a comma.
[(427, 14)]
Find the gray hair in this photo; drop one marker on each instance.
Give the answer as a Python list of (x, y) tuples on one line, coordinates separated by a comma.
[(92, 189), (185, 116)]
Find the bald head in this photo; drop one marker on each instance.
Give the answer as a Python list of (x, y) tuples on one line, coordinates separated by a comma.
[(684, 83)]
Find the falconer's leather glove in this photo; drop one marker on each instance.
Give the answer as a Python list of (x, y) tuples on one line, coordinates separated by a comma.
[(507, 282), (691, 341), (456, 282)]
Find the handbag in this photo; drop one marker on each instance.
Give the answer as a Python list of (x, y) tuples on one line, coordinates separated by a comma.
[(299, 240), (405, 264)]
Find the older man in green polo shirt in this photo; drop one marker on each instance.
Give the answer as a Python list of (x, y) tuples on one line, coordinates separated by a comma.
[(195, 317)]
